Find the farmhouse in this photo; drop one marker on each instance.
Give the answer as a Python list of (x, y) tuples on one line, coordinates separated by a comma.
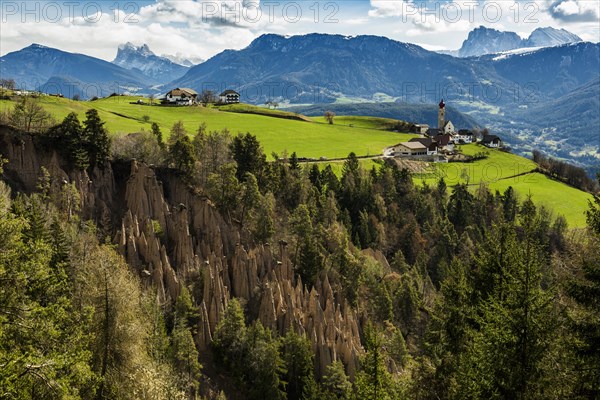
[(444, 142), (407, 149), (430, 145), (229, 97), (464, 136), (181, 97), (491, 141)]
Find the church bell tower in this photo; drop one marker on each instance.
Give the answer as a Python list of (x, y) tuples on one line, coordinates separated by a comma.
[(442, 115)]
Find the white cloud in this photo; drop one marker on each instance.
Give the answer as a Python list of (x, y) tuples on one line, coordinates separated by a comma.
[(575, 10), (390, 8), (567, 8)]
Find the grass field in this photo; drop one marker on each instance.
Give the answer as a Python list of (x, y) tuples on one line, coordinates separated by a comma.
[(498, 165), (360, 122), (269, 112), (501, 170), (560, 198), (307, 139)]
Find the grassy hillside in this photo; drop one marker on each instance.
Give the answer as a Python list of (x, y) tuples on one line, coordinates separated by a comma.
[(498, 165), (410, 112), (361, 122), (269, 112), (501, 170), (307, 139)]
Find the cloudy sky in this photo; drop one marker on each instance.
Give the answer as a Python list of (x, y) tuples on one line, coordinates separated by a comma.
[(199, 29)]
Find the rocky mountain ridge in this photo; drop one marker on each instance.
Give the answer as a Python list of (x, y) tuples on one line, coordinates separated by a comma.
[(483, 40), (141, 58)]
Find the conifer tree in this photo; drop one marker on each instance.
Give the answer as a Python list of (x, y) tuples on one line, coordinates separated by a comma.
[(336, 385), (74, 138), (516, 322), (185, 356), (299, 363), (157, 134), (97, 141), (373, 381)]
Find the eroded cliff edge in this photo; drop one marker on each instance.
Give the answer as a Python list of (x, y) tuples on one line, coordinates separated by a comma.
[(171, 235)]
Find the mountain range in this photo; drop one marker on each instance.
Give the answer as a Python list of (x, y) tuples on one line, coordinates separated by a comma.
[(142, 59), (318, 68), (51, 70), (484, 40)]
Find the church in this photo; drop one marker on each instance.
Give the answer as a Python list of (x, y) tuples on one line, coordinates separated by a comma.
[(445, 127)]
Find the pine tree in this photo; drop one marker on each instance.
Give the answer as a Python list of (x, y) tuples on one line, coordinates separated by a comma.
[(299, 363), (185, 356), (516, 322), (373, 381), (229, 338), (43, 343), (250, 197), (248, 155), (264, 228), (461, 207), (336, 385), (157, 134), (97, 141), (75, 141), (307, 257), (584, 289), (263, 368), (181, 154)]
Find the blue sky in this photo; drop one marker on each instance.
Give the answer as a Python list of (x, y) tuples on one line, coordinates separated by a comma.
[(199, 29)]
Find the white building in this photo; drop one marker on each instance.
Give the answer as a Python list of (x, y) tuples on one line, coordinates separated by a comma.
[(229, 97), (463, 135), (181, 97), (407, 149)]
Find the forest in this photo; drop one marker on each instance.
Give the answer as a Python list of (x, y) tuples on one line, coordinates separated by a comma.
[(458, 293)]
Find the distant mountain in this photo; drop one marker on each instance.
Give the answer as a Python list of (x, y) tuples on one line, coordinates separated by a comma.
[(550, 72), (183, 60), (484, 40), (410, 112), (38, 66), (568, 125), (547, 37), (319, 68), (142, 59)]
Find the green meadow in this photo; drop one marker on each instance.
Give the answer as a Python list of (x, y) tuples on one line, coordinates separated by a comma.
[(359, 122), (501, 170), (307, 139), (498, 165)]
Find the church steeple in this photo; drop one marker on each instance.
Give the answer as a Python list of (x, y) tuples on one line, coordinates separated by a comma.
[(442, 115)]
